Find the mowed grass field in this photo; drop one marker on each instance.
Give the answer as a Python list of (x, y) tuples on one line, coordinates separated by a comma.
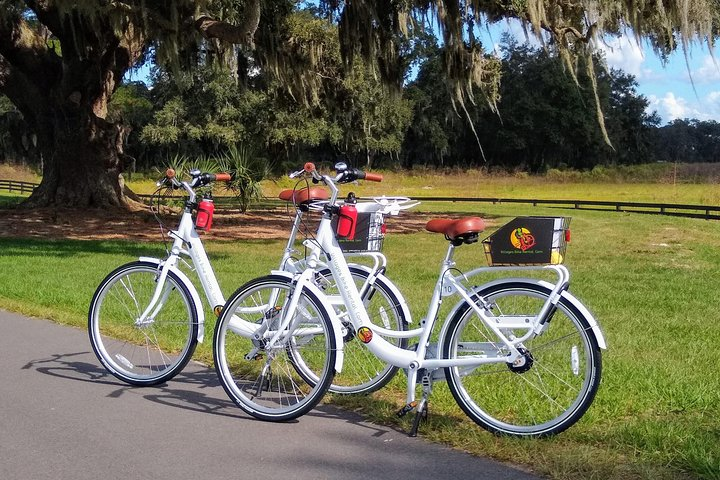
[(658, 186), (651, 281)]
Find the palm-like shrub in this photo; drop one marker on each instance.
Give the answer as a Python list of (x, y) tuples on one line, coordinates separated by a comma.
[(248, 170)]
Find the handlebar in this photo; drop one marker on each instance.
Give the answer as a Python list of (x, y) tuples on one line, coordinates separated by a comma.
[(199, 179), (344, 174), (385, 205), (372, 177)]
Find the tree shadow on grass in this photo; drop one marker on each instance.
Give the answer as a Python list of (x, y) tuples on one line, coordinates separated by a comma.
[(10, 201), (65, 248), (68, 248)]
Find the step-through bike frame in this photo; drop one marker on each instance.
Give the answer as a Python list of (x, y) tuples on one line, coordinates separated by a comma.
[(423, 358)]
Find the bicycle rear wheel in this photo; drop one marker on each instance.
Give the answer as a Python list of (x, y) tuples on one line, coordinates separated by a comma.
[(362, 371), (546, 395), (149, 352), (260, 378)]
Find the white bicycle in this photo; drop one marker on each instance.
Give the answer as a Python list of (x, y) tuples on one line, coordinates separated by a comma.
[(146, 317), (521, 356), (362, 372)]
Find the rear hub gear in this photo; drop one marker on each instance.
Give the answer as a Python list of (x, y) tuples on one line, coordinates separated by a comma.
[(523, 363)]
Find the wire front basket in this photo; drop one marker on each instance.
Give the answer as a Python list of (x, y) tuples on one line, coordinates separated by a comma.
[(369, 233)]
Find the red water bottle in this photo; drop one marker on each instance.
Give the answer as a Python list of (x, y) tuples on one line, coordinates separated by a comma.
[(206, 208), (347, 218)]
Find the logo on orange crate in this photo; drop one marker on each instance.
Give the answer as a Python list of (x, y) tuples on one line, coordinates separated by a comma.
[(522, 239), (364, 334)]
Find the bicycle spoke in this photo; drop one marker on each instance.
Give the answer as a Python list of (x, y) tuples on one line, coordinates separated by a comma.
[(295, 371)]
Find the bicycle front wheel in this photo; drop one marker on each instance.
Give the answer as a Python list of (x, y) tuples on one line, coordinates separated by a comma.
[(139, 351), (362, 371), (550, 391), (260, 376)]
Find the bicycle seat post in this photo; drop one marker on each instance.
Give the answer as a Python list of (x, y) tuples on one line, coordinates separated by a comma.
[(449, 254)]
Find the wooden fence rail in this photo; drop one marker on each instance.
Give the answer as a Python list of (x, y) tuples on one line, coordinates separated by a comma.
[(709, 212), (17, 186)]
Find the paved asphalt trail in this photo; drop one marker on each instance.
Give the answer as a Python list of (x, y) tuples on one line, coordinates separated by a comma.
[(63, 417)]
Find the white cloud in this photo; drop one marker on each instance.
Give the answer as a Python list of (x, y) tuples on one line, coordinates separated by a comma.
[(671, 107), (625, 53), (708, 72), (675, 107), (714, 99)]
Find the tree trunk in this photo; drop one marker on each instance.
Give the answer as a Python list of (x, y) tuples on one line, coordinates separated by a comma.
[(83, 165), (63, 96), (368, 158), (61, 65)]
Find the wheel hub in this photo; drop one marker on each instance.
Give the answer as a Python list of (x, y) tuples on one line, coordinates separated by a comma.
[(523, 363)]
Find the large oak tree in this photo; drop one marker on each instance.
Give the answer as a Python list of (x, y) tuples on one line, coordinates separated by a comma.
[(61, 60)]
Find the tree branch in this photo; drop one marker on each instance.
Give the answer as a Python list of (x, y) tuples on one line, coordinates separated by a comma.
[(47, 14), (238, 34), (561, 31), (18, 88), (27, 51)]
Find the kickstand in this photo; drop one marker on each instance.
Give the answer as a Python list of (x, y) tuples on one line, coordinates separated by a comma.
[(421, 413)]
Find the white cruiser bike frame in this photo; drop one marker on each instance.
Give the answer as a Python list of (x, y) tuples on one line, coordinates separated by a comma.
[(423, 357), (187, 242)]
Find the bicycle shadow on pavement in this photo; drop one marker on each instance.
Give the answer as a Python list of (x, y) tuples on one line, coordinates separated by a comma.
[(326, 410), (195, 389), (188, 390), (67, 365)]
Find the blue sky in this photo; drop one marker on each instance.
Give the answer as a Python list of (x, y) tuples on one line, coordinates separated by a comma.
[(668, 86)]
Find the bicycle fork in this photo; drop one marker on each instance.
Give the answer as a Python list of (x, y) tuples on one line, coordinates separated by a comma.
[(277, 332), (427, 372), (160, 296)]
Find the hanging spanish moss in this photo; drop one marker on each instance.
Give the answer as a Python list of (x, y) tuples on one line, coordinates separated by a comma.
[(575, 28), (61, 60)]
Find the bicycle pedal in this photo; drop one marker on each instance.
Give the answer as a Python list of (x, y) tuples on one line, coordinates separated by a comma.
[(407, 409)]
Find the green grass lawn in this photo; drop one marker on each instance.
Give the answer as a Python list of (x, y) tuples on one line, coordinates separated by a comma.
[(11, 199), (649, 280)]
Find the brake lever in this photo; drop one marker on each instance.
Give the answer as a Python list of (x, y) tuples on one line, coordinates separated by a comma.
[(296, 174)]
